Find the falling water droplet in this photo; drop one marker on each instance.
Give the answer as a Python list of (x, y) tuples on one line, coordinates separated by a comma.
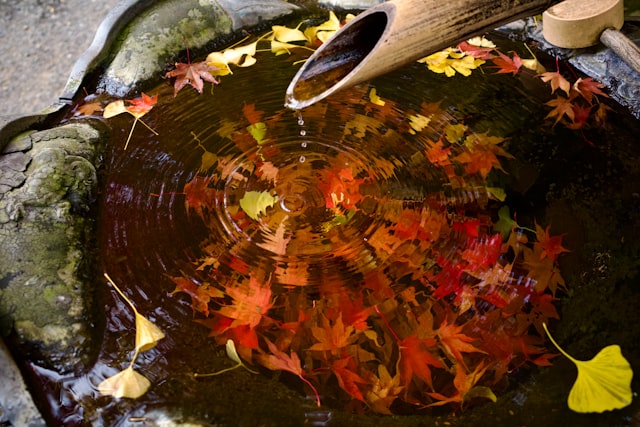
[(302, 159), (304, 144), (303, 132)]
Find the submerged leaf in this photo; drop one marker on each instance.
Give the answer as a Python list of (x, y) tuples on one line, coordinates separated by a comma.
[(603, 383), (127, 383)]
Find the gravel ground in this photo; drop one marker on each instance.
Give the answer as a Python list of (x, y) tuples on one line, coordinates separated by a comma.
[(40, 41)]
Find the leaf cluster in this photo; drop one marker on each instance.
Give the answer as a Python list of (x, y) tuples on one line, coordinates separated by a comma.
[(459, 303)]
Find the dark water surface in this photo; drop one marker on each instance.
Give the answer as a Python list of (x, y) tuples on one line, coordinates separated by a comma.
[(237, 138)]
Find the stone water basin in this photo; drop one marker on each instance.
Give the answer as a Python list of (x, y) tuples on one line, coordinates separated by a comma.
[(325, 234)]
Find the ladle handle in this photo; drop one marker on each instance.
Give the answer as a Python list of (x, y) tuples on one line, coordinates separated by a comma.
[(627, 50)]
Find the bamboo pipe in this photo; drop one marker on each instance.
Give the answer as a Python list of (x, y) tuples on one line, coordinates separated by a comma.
[(392, 34)]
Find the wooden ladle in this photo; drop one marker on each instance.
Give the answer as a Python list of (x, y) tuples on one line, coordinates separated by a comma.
[(584, 23)]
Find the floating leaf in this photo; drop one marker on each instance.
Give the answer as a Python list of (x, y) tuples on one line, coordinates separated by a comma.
[(373, 96), (147, 334), (127, 383), (603, 383), (255, 203), (137, 108)]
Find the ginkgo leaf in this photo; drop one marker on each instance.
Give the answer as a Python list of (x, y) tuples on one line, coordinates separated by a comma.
[(603, 383), (232, 353), (127, 383), (373, 96), (137, 108), (147, 334), (255, 203), (243, 56), (114, 108)]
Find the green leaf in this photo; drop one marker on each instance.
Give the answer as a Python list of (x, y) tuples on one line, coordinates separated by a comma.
[(603, 383), (255, 203), (504, 224), (258, 131)]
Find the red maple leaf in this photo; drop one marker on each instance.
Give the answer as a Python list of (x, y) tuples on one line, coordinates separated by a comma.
[(198, 195), (348, 379), (506, 65), (588, 87), (476, 51), (483, 253), (193, 74)]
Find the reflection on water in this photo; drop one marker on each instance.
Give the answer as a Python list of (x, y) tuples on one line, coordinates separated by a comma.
[(366, 251)]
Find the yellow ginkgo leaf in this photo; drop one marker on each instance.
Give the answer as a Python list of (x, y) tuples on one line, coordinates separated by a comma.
[(233, 355), (127, 383), (218, 60), (603, 383), (288, 35), (147, 334), (114, 108), (373, 96)]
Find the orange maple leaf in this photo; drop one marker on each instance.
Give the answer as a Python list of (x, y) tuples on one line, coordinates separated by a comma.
[(454, 343), (464, 384), (252, 302), (200, 293), (542, 269), (556, 80), (549, 246), (332, 338)]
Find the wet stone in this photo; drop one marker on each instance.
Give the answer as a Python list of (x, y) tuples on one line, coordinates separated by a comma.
[(44, 230)]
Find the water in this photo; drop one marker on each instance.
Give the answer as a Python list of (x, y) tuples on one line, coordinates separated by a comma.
[(346, 226)]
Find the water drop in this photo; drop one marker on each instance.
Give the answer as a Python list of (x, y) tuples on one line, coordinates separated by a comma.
[(302, 159), (304, 144), (303, 132)]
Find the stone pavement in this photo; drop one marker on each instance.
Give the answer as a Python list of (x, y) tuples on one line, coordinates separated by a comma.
[(40, 42)]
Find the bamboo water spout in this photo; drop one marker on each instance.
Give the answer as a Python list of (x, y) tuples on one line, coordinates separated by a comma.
[(392, 34)]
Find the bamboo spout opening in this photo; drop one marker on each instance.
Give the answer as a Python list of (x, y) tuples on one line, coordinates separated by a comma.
[(334, 62)]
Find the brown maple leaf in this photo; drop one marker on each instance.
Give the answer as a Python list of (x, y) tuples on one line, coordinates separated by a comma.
[(557, 81), (193, 74), (562, 106)]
